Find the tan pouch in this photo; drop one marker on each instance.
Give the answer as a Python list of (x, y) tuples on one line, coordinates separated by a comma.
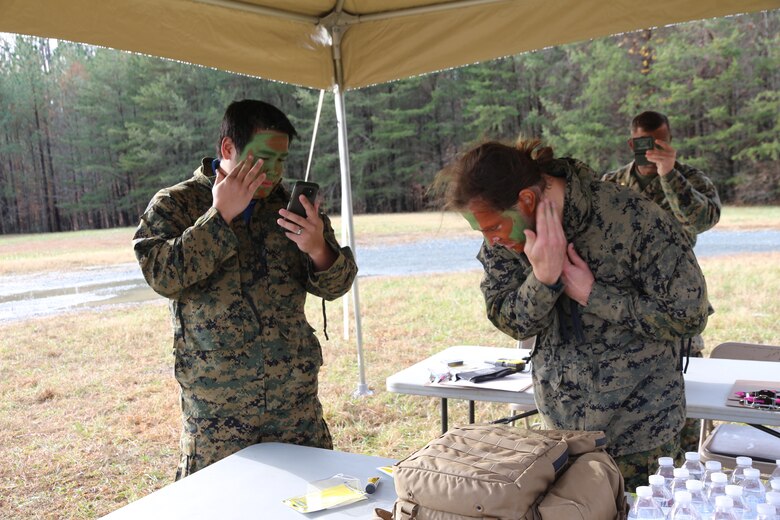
[(590, 489)]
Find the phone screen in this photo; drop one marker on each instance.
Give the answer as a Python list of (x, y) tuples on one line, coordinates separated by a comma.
[(642, 145)]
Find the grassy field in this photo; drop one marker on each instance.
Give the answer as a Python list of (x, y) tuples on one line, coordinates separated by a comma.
[(89, 415)]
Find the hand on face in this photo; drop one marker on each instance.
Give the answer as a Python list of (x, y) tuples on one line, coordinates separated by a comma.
[(546, 247), (503, 229), (577, 277), (232, 191), (272, 147)]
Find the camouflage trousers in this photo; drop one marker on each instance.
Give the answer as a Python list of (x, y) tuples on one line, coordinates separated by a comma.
[(637, 467), (207, 440)]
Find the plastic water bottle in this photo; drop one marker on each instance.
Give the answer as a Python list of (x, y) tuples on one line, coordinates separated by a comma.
[(735, 493), (645, 507), (766, 512), (775, 484), (724, 509), (698, 500), (775, 474), (773, 498), (661, 494), (742, 464), (710, 467), (753, 491), (717, 487), (666, 469), (681, 476), (683, 509), (693, 465)]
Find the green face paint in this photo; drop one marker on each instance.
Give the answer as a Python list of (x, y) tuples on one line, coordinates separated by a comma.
[(505, 228), (272, 148), (518, 225), (472, 220)]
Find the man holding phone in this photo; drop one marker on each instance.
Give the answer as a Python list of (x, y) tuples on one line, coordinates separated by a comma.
[(236, 267), (682, 190)]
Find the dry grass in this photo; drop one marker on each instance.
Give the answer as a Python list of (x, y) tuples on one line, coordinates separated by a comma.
[(87, 421), (752, 217), (89, 410)]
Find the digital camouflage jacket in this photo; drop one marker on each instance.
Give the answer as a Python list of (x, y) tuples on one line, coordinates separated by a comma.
[(237, 292), (685, 192), (613, 364)]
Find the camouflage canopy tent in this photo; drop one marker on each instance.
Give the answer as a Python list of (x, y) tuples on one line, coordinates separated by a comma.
[(346, 44)]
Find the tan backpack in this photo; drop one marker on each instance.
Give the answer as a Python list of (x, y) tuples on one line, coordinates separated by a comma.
[(505, 473)]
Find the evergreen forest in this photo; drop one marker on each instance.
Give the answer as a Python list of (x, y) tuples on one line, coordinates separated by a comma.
[(88, 134)]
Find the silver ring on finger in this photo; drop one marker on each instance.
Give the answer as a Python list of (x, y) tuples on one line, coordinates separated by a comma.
[(300, 230)]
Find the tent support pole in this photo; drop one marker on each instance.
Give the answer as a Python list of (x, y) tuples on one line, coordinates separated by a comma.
[(346, 217)]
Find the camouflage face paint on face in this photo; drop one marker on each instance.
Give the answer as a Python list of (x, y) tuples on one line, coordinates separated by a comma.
[(472, 220), (272, 148), (518, 225), (505, 228)]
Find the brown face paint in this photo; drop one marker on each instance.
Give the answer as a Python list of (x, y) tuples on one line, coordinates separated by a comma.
[(272, 147), (504, 229), (518, 225)]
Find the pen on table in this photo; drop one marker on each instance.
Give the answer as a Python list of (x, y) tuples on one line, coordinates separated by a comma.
[(372, 484), (517, 364)]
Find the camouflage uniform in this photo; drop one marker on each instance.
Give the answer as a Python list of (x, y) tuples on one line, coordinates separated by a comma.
[(614, 364), (685, 192), (690, 197), (637, 467), (246, 358)]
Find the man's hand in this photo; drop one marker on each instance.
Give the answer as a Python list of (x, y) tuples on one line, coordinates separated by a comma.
[(663, 158), (546, 248), (308, 234), (232, 191), (577, 277)]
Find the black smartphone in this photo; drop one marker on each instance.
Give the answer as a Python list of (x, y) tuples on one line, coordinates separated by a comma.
[(309, 189), (642, 145)]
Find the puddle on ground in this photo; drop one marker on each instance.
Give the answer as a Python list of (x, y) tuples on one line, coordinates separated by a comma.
[(43, 294)]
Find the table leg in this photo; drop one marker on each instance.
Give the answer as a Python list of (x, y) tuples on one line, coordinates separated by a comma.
[(471, 412), (443, 415)]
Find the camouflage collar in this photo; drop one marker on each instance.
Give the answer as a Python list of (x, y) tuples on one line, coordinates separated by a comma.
[(578, 198)]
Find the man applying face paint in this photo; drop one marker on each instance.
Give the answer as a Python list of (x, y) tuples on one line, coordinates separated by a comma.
[(505, 229), (237, 268), (271, 147), (605, 281)]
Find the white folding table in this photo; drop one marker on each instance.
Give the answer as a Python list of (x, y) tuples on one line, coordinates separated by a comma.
[(708, 383), (253, 482)]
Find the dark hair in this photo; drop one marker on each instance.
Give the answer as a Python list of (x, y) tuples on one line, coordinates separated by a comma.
[(650, 121), (494, 173), (244, 118)]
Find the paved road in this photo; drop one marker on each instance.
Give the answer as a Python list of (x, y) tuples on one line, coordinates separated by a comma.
[(25, 296), (437, 256)]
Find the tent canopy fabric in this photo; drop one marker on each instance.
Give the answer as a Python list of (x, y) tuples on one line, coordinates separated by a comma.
[(352, 43)]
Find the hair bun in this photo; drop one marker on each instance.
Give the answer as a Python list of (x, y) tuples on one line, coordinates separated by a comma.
[(534, 149)]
